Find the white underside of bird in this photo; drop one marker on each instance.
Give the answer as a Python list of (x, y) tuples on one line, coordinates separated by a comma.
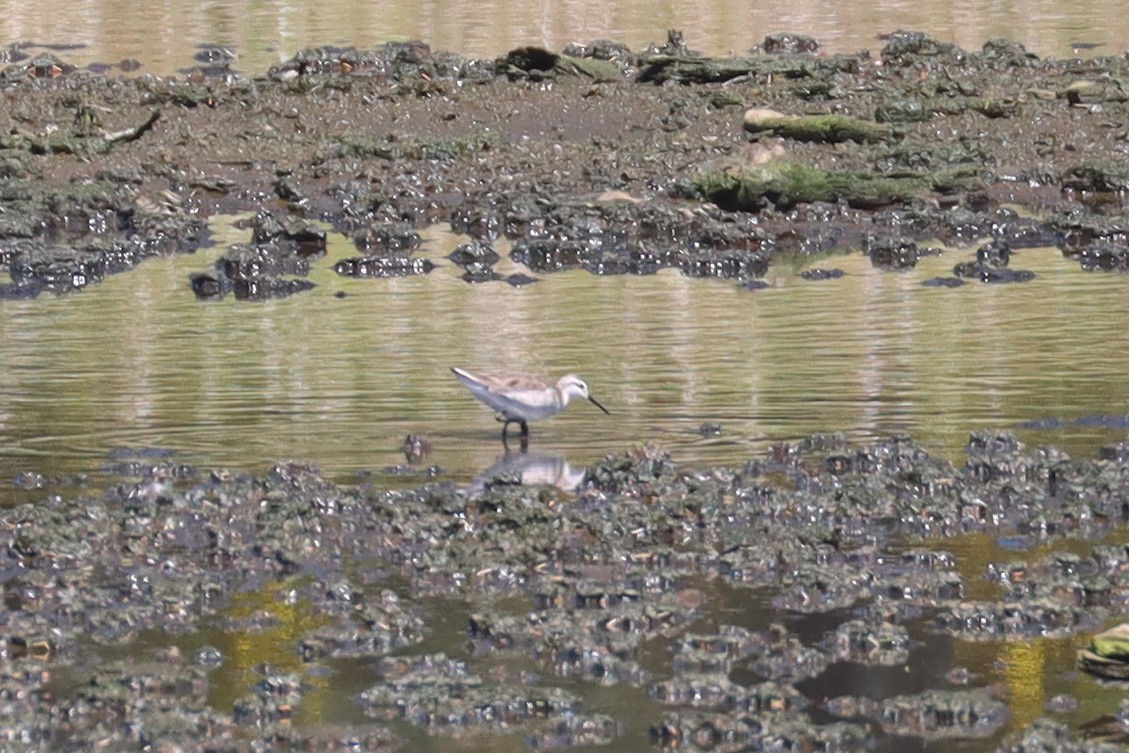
[(519, 398)]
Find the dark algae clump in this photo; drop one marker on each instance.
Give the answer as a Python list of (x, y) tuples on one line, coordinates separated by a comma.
[(242, 604)]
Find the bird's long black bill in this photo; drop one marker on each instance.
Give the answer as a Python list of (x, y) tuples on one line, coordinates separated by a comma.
[(593, 401)]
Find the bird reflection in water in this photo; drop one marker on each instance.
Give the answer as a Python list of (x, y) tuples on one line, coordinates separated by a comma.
[(530, 469)]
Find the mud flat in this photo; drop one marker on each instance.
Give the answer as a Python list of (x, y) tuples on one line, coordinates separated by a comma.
[(195, 609), (601, 158)]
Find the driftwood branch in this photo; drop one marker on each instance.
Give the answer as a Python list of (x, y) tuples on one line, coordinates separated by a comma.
[(131, 134)]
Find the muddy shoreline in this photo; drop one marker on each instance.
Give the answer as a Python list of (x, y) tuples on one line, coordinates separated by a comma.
[(604, 159), (186, 609), (193, 609)]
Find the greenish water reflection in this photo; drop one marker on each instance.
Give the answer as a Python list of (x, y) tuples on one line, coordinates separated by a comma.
[(258, 636), (339, 381), (137, 361)]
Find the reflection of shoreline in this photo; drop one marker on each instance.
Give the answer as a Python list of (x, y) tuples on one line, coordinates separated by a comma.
[(534, 469), (265, 28)]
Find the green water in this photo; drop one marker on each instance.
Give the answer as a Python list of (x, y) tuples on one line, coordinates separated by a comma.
[(138, 362)]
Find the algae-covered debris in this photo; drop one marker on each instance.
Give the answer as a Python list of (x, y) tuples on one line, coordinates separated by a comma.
[(1108, 654), (784, 184), (830, 129), (537, 62)]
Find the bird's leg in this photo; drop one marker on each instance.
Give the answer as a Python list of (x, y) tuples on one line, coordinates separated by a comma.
[(506, 425)]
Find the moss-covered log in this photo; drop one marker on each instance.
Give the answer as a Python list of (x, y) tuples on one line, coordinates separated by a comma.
[(785, 184), (821, 128), (661, 68)]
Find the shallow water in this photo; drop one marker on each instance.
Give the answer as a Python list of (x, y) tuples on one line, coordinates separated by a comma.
[(1027, 672), (138, 362), (165, 36)]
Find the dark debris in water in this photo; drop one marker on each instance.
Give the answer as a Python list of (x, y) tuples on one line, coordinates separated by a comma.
[(931, 716), (578, 587), (518, 280), (818, 274), (943, 282), (273, 265), (383, 266)]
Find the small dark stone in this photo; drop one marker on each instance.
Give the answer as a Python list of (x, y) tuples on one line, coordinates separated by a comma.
[(725, 264), (214, 56), (891, 253), (995, 254), (1119, 451), (253, 262), (1062, 704), (479, 272), (943, 282), (209, 657), (479, 252), (400, 266), (388, 238), (1105, 256), (987, 272), (783, 42), (987, 442), (29, 480), (1007, 275), (517, 279), (822, 274), (206, 285), (553, 255), (269, 287), (62, 269)]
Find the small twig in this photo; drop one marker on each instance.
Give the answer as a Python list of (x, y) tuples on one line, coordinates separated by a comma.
[(131, 134)]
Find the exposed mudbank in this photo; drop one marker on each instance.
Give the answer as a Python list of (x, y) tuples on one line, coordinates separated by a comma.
[(131, 616), (611, 586), (615, 161)]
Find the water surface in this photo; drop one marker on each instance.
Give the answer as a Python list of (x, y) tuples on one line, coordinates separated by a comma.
[(165, 36), (339, 376), (138, 363)]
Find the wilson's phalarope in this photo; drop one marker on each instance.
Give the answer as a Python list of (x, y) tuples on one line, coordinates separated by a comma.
[(519, 398)]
